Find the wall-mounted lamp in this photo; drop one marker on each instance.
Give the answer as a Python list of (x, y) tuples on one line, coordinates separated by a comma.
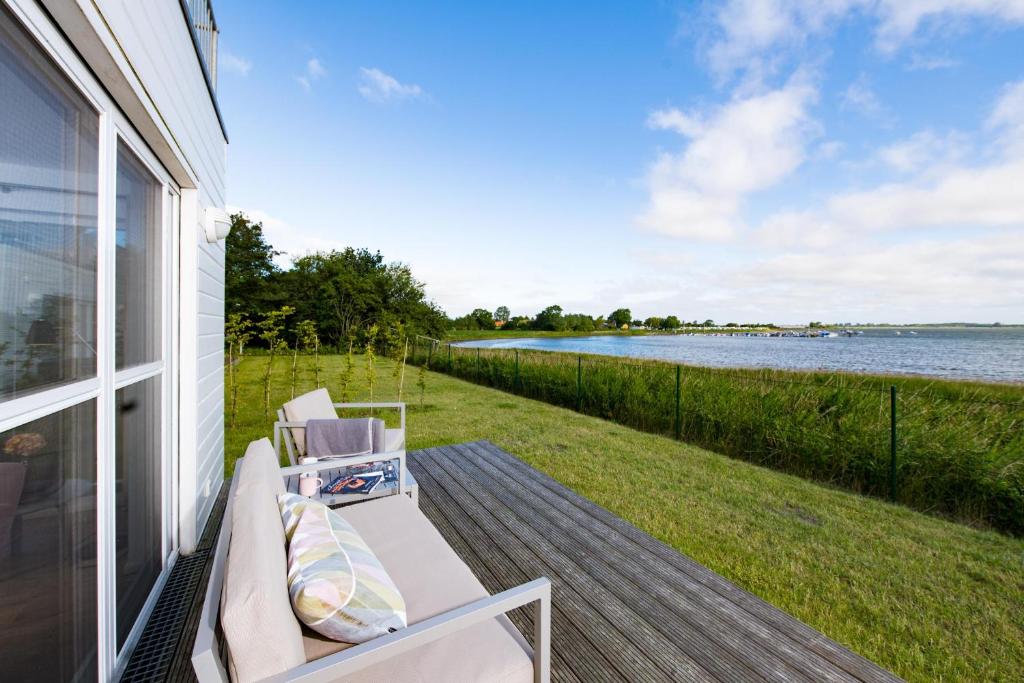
[(218, 224)]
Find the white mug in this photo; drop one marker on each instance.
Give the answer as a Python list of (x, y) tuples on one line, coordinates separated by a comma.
[(309, 484)]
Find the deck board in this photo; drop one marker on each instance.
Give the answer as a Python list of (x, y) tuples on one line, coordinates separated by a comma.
[(625, 605)]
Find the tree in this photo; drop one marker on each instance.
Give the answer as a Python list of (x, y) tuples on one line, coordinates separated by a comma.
[(249, 269), (653, 323), (483, 318), (620, 316), (709, 323), (501, 314), (549, 319), (671, 323)]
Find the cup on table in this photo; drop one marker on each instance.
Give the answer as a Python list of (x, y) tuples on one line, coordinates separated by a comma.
[(309, 484)]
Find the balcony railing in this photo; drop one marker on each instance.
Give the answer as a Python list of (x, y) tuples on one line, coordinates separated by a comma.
[(199, 14)]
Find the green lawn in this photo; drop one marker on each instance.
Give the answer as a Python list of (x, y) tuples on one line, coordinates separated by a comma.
[(928, 599)]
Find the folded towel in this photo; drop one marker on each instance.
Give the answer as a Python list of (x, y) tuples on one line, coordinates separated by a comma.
[(351, 436), (345, 437)]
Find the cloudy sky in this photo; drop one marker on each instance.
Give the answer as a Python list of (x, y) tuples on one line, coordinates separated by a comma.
[(842, 160)]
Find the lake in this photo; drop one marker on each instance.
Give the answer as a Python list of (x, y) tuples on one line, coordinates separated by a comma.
[(994, 354)]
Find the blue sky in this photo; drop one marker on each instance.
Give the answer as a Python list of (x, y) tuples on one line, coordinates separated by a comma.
[(851, 160)]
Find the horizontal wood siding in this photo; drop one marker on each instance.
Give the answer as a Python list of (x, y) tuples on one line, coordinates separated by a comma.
[(155, 39)]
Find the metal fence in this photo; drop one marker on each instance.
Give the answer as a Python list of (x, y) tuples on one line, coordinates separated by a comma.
[(947, 448)]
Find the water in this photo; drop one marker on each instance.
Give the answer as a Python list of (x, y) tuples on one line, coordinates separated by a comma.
[(992, 354)]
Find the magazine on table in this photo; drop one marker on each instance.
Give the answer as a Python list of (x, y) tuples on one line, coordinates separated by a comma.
[(389, 469), (354, 483)]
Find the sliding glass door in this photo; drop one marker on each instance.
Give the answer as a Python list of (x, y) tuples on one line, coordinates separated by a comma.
[(86, 426)]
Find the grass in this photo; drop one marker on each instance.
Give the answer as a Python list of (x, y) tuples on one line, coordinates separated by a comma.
[(960, 445), (928, 599)]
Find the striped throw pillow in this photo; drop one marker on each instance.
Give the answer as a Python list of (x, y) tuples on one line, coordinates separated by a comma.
[(337, 585)]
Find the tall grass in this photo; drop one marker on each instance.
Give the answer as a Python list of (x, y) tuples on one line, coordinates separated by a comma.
[(960, 445)]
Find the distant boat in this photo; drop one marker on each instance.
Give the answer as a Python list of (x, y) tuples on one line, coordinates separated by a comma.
[(898, 333)]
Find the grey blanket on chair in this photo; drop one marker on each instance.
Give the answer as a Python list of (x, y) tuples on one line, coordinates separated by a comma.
[(344, 436)]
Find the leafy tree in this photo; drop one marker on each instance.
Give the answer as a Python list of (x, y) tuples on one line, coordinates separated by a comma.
[(671, 323), (484, 319), (653, 323), (549, 319), (620, 316), (270, 332), (236, 335), (501, 314), (250, 275), (708, 323)]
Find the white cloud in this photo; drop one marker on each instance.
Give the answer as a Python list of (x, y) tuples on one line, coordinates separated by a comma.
[(1007, 119), (233, 63), (377, 86), (923, 150), (285, 237), (940, 192), (315, 70), (746, 145), (920, 62), (749, 30), (859, 96)]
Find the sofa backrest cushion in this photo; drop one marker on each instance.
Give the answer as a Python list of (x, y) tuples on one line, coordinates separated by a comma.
[(315, 405), (263, 636)]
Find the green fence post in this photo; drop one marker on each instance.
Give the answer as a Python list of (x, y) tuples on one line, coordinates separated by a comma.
[(892, 443), (430, 354), (579, 384), (679, 424), (515, 382), (450, 358)]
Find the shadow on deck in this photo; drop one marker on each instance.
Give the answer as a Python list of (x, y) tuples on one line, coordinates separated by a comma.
[(625, 606)]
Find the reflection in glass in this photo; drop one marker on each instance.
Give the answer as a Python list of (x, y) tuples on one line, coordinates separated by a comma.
[(48, 548), (137, 320), (138, 500), (48, 190)]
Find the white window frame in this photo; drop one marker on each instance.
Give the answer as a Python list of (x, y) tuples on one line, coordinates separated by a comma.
[(114, 127)]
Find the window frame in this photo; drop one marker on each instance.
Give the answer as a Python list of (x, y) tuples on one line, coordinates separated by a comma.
[(114, 127)]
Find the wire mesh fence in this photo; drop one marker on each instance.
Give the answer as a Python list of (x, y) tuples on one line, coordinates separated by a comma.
[(947, 448)]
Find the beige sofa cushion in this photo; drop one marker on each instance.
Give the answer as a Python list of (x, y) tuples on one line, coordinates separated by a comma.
[(262, 633), (315, 405), (432, 580)]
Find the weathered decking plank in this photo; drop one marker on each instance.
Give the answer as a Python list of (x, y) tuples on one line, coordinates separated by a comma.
[(621, 588)]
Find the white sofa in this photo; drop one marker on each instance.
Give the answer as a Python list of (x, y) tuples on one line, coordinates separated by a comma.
[(456, 632)]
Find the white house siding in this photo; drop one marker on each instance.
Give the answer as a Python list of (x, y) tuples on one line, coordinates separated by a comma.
[(152, 47)]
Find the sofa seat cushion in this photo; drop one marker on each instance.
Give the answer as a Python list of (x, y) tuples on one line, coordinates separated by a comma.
[(263, 636), (337, 585), (433, 580)]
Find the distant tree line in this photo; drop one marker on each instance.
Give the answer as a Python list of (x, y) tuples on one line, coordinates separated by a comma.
[(553, 318), (340, 296)]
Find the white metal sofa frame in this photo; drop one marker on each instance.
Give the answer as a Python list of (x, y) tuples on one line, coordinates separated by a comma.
[(209, 664), (283, 427)]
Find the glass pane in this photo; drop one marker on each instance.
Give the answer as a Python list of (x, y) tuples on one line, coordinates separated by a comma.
[(48, 548), (137, 321), (48, 190), (138, 499)]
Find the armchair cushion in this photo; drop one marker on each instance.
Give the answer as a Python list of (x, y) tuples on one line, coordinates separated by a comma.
[(315, 405)]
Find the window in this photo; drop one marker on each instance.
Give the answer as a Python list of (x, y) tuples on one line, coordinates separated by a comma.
[(85, 421), (49, 147)]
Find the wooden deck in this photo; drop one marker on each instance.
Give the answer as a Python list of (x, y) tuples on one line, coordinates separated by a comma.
[(626, 607)]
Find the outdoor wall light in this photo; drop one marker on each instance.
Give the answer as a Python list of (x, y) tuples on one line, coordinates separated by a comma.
[(218, 224)]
